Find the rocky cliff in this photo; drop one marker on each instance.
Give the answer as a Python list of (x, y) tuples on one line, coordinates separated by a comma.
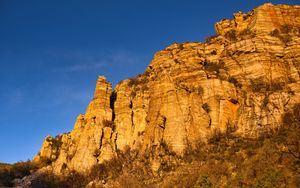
[(241, 81)]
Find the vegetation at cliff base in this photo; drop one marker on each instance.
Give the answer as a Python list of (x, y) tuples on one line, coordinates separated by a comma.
[(273, 160), (10, 172)]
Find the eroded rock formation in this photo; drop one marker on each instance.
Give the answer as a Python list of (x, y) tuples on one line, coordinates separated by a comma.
[(242, 80)]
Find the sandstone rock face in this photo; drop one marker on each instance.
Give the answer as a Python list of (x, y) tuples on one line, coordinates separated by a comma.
[(90, 142), (242, 80)]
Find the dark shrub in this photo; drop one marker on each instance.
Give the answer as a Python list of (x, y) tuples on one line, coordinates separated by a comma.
[(269, 179), (234, 101), (258, 86), (144, 87), (107, 123), (5, 177), (56, 143), (44, 161), (211, 38), (231, 35), (166, 148), (133, 93), (133, 81), (73, 180), (97, 152), (235, 82), (140, 79), (262, 86), (247, 33), (17, 170), (286, 28), (115, 166), (292, 118), (99, 171), (275, 33), (283, 36), (275, 86), (203, 181), (213, 66), (206, 107), (45, 180), (214, 52), (128, 181), (147, 72), (199, 90), (216, 137), (21, 169), (246, 16), (230, 128)]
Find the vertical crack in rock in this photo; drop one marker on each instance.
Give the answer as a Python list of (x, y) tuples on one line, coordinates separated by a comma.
[(113, 99)]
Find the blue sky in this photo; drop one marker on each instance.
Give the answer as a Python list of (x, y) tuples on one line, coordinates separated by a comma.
[(51, 53)]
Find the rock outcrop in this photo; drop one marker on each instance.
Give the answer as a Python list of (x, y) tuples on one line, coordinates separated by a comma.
[(242, 80), (91, 141)]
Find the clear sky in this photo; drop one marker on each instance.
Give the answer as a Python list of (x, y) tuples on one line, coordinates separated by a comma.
[(52, 51)]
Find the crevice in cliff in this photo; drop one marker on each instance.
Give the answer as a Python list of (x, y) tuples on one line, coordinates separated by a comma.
[(101, 139), (113, 99), (132, 114)]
